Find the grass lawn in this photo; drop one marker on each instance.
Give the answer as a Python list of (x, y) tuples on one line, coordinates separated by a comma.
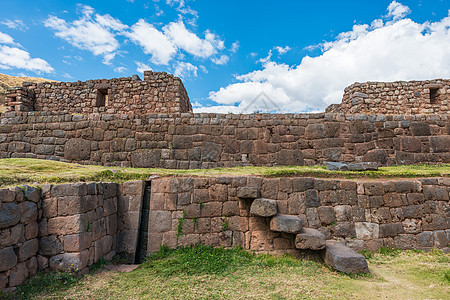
[(214, 273), (16, 171)]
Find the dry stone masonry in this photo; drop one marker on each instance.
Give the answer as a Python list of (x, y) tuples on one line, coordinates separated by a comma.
[(397, 98), (157, 93)]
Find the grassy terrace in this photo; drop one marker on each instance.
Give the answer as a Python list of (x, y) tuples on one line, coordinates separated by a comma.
[(16, 171), (202, 272)]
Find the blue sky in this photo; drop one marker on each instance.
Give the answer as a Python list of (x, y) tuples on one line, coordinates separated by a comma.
[(300, 54)]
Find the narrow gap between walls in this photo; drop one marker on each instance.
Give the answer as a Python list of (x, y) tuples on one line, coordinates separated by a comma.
[(141, 248)]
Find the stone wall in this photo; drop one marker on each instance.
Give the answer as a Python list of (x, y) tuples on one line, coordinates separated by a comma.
[(69, 227), (400, 97), (404, 214), (214, 140), (157, 93)]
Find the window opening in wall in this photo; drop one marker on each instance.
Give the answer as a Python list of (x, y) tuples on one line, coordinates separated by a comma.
[(102, 98), (434, 95)]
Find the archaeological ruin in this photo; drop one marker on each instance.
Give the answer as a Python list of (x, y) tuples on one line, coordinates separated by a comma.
[(132, 123)]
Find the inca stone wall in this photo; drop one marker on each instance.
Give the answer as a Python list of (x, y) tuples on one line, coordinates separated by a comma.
[(69, 227), (397, 98), (213, 140), (404, 214), (157, 93)]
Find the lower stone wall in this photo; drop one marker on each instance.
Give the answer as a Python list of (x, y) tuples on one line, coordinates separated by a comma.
[(69, 227), (361, 214)]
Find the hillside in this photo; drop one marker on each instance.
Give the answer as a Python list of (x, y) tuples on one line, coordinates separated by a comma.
[(7, 81)]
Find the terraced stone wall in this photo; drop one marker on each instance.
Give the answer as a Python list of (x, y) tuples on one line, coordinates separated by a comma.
[(404, 214), (187, 141)]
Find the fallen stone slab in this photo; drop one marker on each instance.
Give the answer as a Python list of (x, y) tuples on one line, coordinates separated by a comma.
[(264, 207), (310, 238), (362, 166), (248, 192), (344, 259), (286, 223)]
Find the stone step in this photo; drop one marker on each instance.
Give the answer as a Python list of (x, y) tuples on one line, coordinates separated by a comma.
[(264, 207), (286, 223), (310, 238), (344, 259)]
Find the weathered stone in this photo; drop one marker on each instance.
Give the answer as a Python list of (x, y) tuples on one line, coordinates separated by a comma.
[(264, 207), (310, 238), (435, 193), (50, 245), (326, 215), (286, 223), (31, 193), (9, 214), (42, 262), (336, 166), (8, 259), (248, 192), (344, 259), (392, 229), (146, 158), (28, 212), (67, 225), (160, 221), (67, 262), (312, 199), (77, 149), (7, 195), (18, 275), (28, 249), (71, 189), (366, 231), (440, 143)]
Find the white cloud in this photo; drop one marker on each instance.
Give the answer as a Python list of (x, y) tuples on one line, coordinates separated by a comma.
[(282, 50), (222, 60), (152, 41), (6, 39), (398, 50), (11, 57), (235, 47), (190, 42), (397, 10), (15, 24), (95, 34), (141, 67), (120, 69), (185, 70)]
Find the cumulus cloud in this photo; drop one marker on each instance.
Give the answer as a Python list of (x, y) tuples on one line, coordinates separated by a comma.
[(6, 39), (15, 24), (399, 49), (153, 42), (185, 70), (141, 67), (12, 57), (95, 33)]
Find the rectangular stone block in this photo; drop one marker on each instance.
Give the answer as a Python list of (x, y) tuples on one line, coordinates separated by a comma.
[(67, 225)]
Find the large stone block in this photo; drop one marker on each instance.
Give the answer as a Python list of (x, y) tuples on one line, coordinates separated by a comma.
[(67, 262), (18, 275), (146, 158), (50, 245), (77, 149), (71, 189), (71, 205), (310, 238), (7, 195), (286, 223), (264, 207), (344, 259), (440, 144), (28, 249), (367, 231), (9, 214), (31, 193), (8, 259), (77, 242), (160, 221), (67, 225), (28, 212)]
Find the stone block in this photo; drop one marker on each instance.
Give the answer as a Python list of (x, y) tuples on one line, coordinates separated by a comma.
[(440, 239), (50, 207), (405, 241), (28, 249), (146, 158), (310, 238), (326, 215), (77, 149), (67, 262), (28, 212), (71, 205), (110, 206), (71, 189), (67, 225), (77, 242), (425, 239), (391, 229), (312, 198), (286, 223), (7, 195), (367, 231), (32, 266), (18, 275), (42, 262), (31, 194), (50, 245), (248, 192), (211, 209), (160, 221), (9, 214), (133, 187), (344, 259), (264, 207), (8, 259), (435, 193)]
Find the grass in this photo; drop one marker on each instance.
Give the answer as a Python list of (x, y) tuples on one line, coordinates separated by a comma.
[(202, 272), (15, 171)]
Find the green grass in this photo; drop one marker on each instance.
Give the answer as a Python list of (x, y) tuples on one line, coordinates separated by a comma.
[(16, 171), (202, 272)]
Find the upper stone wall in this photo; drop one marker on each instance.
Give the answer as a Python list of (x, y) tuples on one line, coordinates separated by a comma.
[(400, 97), (157, 93)]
